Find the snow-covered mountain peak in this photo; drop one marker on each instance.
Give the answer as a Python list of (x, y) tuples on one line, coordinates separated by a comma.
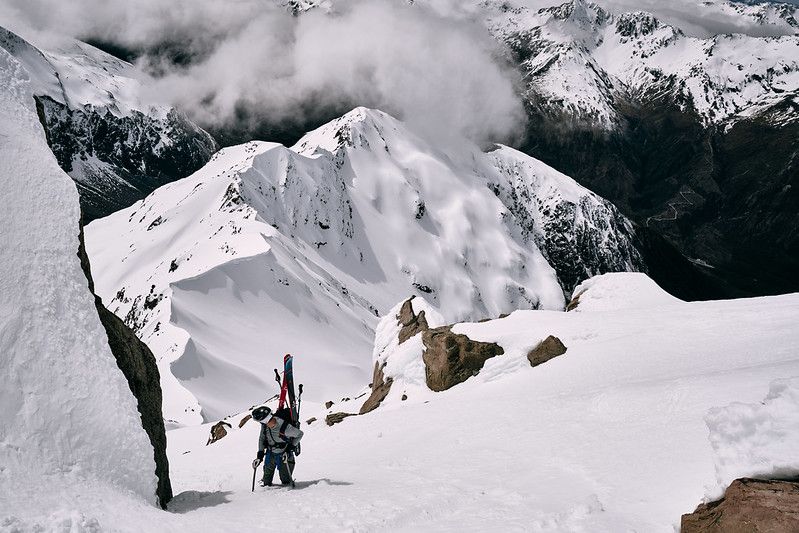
[(327, 236), (358, 128), (578, 12)]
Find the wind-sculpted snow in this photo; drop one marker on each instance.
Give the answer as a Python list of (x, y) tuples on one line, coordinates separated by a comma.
[(610, 291), (68, 419), (756, 439), (269, 250)]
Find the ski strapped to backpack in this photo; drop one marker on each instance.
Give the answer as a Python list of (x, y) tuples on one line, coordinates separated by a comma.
[(288, 404)]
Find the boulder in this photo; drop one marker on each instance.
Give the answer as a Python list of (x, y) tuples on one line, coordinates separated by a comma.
[(380, 389), (244, 420), (411, 323), (547, 349), (335, 418), (450, 358), (218, 431), (311, 420), (328, 404), (748, 506)]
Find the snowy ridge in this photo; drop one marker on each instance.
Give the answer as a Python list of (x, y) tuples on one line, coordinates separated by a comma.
[(267, 243), (584, 61), (79, 75), (67, 409)]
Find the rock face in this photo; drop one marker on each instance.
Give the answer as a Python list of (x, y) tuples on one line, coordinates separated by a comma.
[(748, 506), (547, 349), (116, 160), (411, 322), (380, 389), (137, 363), (450, 358)]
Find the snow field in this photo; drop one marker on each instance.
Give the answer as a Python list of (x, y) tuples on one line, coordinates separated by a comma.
[(621, 433)]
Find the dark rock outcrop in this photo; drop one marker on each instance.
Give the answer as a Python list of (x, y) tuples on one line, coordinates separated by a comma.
[(411, 323), (726, 195), (218, 431), (244, 420), (380, 389), (329, 404), (547, 349), (138, 365), (335, 418), (116, 160), (748, 506), (450, 358), (574, 302)]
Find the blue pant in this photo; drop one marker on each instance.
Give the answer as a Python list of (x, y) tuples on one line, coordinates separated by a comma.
[(274, 459)]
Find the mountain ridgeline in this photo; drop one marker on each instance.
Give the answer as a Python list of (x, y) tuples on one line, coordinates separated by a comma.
[(694, 140)]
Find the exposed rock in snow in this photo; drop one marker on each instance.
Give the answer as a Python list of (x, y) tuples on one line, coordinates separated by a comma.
[(450, 359), (748, 505), (68, 418), (381, 386), (116, 147), (140, 369), (545, 350), (324, 237)]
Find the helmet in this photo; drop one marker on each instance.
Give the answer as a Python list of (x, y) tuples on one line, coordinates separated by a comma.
[(261, 413)]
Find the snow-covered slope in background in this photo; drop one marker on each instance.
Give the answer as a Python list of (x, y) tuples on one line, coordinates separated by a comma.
[(269, 250), (115, 144), (68, 417), (585, 61)]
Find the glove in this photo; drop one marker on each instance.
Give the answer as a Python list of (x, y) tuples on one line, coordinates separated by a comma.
[(297, 449), (256, 462), (260, 455)]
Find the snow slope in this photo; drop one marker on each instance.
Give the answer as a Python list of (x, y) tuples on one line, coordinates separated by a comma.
[(623, 432), (269, 250), (68, 417)]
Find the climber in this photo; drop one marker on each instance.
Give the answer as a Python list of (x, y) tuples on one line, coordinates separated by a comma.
[(276, 446)]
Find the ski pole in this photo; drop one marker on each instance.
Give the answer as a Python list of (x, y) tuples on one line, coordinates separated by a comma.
[(277, 377), (299, 402), (284, 462), (254, 470)]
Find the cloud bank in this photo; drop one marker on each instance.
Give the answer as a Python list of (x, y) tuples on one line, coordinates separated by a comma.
[(214, 59)]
